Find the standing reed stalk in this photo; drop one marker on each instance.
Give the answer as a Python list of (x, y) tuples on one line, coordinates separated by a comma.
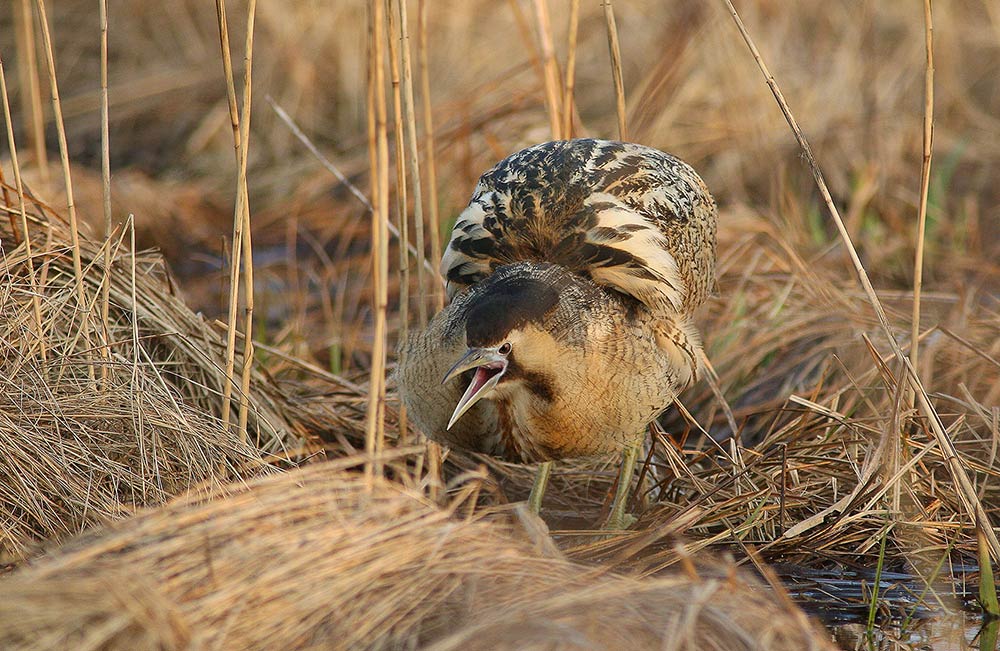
[(918, 260), (401, 204), (371, 416), (574, 23), (378, 157), (105, 185), (243, 214), (925, 179), (31, 100), (237, 242), (67, 178), (242, 240), (616, 68), (22, 213), (414, 155), (433, 220), (551, 69)]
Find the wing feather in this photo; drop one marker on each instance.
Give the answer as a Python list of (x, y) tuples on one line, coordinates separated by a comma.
[(631, 218)]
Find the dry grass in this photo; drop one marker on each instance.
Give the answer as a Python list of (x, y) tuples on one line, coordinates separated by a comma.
[(824, 414), (852, 74), (313, 560), (830, 462), (80, 447)]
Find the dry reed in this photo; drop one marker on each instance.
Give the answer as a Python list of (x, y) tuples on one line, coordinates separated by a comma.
[(31, 99), (236, 256), (242, 213), (957, 468), (242, 249), (315, 559), (925, 183), (816, 409), (82, 300), (378, 156), (553, 89), (819, 412), (614, 51), (568, 103), (402, 207), (20, 233), (433, 218), (105, 167)]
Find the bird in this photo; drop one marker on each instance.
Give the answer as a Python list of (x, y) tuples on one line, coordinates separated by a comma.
[(572, 278)]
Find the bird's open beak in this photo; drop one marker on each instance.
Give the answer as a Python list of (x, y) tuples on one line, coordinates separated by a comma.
[(490, 366)]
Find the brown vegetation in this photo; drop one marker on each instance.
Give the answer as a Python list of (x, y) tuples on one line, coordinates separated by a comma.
[(311, 559), (90, 432), (103, 415)]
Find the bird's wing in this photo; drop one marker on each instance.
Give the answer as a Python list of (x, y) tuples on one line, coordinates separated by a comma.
[(631, 218)]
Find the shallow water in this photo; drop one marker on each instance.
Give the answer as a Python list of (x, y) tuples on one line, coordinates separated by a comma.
[(910, 614), (957, 632)]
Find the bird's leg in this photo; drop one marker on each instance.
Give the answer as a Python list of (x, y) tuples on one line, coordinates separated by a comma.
[(618, 518), (538, 488)]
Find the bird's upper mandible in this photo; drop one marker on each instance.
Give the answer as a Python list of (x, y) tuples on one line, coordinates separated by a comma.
[(629, 217)]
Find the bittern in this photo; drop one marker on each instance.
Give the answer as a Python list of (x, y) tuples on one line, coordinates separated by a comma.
[(572, 277)]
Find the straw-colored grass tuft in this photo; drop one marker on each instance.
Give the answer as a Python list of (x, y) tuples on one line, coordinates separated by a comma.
[(311, 559), (90, 433)]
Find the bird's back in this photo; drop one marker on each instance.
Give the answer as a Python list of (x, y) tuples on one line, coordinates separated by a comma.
[(631, 218)]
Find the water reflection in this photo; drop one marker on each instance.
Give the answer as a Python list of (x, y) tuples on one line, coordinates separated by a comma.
[(910, 614)]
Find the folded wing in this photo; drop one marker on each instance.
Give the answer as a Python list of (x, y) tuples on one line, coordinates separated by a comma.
[(633, 219)]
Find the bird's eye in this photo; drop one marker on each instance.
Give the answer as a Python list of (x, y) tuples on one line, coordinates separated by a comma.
[(504, 349)]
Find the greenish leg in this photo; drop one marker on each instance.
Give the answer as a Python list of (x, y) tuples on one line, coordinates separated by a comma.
[(618, 518), (538, 488)]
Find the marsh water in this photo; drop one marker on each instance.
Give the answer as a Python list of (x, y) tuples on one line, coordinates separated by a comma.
[(910, 615)]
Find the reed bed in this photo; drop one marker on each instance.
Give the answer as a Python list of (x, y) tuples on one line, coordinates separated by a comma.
[(804, 446), (828, 461), (854, 76)]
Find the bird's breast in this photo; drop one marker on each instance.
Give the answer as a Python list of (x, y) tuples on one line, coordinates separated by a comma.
[(532, 429)]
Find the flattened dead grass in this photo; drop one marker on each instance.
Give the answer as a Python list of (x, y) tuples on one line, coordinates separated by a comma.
[(310, 559)]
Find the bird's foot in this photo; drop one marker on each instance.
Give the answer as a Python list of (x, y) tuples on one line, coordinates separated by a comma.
[(619, 522), (538, 488)]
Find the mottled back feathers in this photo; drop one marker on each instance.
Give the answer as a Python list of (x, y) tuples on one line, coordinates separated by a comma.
[(631, 218)]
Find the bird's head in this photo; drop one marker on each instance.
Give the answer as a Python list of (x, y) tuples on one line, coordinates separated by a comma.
[(511, 343)]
